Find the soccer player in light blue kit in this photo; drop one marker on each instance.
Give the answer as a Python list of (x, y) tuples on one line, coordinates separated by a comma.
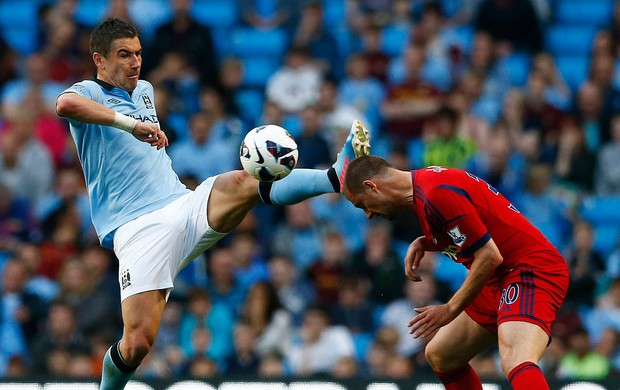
[(155, 225)]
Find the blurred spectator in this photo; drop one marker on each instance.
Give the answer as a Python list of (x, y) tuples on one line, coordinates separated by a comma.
[(606, 313), (352, 308), (296, 84), (407, 104), (36, 76), (504, 20), (201, 367), (581, 362), (272, 366), (53, 348), (336, 115), (62, 50), (244, 360), (345, 368), (377, 60), (590, 109), (61, 239), (585, 264), (95, 309), (486, 366), (250, 265), (469, 126), (540, 115), (379, 264), (361, 90), (270, 323), (228, 128), (168, 122), (223, 286), (8, 58), (311, 34), (295, 292), (26, 166), (444, 146), (607, 178), (206, 328), (45, 288), (499, 165), (202, 155), (575, 163), (262, 14), (398, 313), (318, 346), (327, 271), (556, 90), (381, 352), (542, 206), (183, 35), (17, 222), (299, 236), (314, 151), (334, 211), (69, 190), (175, 73)]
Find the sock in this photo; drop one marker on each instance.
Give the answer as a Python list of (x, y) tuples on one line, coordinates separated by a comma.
[(462, 378), (299, 185), (527, 375), (116, 372)]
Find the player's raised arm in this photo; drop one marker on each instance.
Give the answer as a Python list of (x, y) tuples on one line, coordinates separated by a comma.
[(82, 109)]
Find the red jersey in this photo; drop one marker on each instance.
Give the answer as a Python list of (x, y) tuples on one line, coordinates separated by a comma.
[(460, 212)]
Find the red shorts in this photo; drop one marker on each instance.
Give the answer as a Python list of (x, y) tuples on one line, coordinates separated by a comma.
[(524, 294)]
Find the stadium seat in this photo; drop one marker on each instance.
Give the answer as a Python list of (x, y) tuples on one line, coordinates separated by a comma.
[(362, 342), (601, 210), (247, 42), (574, 70), (517, 66), (216, 13), (606, 238), (22, 40), (159, 13), (584, 13), (257, 70), (250, 103), (19, 14), (461, 37), (394, 40), (569, 40), (91, 12), (334, 13)]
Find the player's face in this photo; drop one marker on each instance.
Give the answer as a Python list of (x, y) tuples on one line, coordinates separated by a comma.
[(122, 66), (373, 204)]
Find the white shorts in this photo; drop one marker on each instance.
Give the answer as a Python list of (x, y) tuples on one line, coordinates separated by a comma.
[(153, 248)]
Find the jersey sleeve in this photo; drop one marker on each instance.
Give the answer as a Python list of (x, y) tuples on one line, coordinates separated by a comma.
[(454, 213), (82, 88)]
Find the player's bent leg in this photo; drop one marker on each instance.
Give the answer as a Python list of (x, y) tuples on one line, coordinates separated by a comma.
[(233, 194), (521, 345), (451, 349), (141, 317)]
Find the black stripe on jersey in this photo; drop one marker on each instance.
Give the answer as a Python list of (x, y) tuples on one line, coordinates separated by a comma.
[(456, 190), (476, 245)]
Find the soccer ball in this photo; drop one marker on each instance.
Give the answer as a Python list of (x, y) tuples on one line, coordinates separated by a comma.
[(268, 153)]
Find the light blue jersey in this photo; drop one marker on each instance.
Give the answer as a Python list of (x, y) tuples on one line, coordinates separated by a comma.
[(126, 178)]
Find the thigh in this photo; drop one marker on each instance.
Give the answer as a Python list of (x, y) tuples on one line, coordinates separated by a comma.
[(457, 343), (142, 313), (233, 195), (519, 342)]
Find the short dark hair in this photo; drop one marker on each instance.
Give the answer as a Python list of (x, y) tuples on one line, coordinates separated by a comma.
[(363, 168), (107, 32), (448, 113)]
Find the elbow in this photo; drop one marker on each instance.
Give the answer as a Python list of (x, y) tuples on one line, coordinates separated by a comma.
[(496, 259), (64, 105)]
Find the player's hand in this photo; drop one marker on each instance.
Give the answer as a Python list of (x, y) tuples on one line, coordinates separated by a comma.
[(415, 252), (429, 320), (150, 133)]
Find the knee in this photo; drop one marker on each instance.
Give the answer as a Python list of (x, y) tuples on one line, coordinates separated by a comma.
[(435, 358), (510, 360), (135, 346)]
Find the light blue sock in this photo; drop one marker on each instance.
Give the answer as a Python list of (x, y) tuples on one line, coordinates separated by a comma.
[(115, 376), (299, 185)]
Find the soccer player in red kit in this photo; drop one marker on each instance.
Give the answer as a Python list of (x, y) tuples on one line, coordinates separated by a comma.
[(516, 282)]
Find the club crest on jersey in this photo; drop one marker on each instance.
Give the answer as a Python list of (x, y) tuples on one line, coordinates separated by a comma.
[(147, 101), (458, 237)]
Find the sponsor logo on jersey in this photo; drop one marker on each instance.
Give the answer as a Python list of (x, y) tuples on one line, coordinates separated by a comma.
[(147, 101), (436, 169), (113, 101), (458, 237)]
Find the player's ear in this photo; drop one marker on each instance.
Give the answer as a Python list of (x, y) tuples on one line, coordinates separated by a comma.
[(369, 185), (98, 59)]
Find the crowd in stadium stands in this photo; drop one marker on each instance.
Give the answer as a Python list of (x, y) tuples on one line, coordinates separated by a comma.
[(523, 93)]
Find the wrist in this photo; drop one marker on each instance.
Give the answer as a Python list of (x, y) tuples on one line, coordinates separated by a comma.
[(124, 122)]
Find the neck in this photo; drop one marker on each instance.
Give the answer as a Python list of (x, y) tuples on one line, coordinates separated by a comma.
[(402, 187)]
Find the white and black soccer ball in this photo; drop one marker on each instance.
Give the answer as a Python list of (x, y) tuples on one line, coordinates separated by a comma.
[(268, 153)]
